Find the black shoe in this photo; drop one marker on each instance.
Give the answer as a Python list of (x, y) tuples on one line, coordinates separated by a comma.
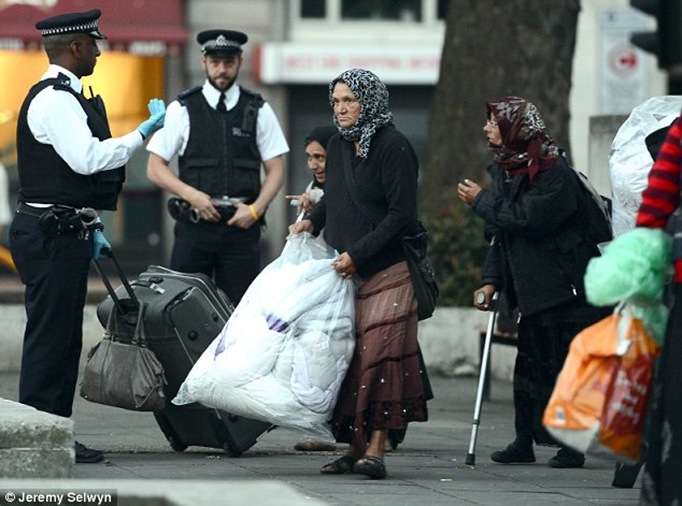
[(566, 459), (370, 466), (85, 455), (513, 454)]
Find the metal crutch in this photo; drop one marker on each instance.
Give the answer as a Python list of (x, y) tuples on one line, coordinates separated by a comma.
[(471, 456)]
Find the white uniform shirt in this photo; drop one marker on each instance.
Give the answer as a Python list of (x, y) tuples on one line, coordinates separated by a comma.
[(55, 117), (172, 138)]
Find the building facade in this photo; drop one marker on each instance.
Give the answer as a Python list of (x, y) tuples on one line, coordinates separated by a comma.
[(295, 48)]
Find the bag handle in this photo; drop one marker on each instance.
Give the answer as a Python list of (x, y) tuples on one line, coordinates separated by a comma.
[(124, 280), (354, 190), (139, 335), (374, 214)]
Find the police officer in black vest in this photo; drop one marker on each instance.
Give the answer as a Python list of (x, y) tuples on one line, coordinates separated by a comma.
[(223, 134), (69, 165)]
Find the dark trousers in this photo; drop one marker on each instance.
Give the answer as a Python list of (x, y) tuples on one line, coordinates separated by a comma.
[(230, 255), (55, 272), (543, 343)]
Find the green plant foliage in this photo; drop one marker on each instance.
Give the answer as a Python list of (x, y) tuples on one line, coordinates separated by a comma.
[(457, 249)]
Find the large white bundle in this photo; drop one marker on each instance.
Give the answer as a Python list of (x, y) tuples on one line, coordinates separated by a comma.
[(284, 352), (630, 161)]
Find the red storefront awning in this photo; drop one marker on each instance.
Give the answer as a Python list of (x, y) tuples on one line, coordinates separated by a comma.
[(146, 27)]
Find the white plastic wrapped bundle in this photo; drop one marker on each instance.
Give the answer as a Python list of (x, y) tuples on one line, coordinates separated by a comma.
[(630, 161), (285, 350)]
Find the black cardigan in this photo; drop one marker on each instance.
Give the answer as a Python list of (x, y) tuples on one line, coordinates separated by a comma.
[(387, 181)]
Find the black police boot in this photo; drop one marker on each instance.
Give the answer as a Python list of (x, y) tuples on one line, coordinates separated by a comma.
[(85, 455)]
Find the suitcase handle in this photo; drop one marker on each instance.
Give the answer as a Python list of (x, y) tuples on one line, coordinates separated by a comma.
[(110, 289)]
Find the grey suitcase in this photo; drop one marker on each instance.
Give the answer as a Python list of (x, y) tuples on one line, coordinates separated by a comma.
[(184, 313)]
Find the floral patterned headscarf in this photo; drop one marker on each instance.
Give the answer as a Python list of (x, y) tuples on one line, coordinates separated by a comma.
[(526, 148), (374, 114)]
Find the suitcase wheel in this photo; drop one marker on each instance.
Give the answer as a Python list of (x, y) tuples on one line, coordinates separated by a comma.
[(231, 452), (177, 446), (173, 439)]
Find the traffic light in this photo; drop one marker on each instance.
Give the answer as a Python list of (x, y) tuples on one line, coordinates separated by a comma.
[(647, 41), (666, 41), (670, 33)]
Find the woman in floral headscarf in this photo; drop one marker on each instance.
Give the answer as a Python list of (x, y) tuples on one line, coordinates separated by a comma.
[(537, 259), (369, 204)]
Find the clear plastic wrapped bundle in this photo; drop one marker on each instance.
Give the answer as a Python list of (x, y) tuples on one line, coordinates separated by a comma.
[(630, 160), (284, 352)]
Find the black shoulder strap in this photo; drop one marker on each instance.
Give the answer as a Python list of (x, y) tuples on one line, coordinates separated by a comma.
[(374, 214)]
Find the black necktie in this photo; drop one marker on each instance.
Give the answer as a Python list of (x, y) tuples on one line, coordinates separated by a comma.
[(221, 103)]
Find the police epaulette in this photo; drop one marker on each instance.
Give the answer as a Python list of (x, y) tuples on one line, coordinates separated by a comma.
[(257, 98), (59, 84), (187, 93)]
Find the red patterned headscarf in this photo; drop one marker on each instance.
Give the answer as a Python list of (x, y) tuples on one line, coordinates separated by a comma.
[(526, 148)]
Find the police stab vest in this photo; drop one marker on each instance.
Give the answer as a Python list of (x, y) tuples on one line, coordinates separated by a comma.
[(222, 156), (44, 177)]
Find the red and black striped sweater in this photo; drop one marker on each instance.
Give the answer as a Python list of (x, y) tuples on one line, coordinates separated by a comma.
[(661, 198)]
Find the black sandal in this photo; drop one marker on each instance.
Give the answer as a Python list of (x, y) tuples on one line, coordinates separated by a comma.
[(370, 466), (342, 465)]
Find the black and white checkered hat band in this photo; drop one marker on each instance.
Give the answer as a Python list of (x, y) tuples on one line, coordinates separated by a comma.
[(84, 27), (221, 43)]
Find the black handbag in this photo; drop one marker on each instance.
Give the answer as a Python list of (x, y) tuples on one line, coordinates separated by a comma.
[(422, 274), (123, 373)]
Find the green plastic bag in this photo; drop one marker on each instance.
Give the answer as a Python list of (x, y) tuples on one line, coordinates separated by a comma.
[(634, 268)]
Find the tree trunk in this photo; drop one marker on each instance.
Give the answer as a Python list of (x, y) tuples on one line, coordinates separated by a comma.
[(492, 49)]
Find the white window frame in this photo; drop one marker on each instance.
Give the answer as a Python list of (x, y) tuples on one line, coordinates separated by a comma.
[(429, 30)]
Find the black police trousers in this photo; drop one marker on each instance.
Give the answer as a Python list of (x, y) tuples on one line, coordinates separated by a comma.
[(229, 255), (55, 272)]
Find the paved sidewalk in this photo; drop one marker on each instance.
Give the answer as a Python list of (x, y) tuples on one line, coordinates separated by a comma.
[(427, 469)]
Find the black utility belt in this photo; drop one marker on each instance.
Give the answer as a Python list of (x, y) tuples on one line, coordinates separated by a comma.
[(181, 210), (55, 220)]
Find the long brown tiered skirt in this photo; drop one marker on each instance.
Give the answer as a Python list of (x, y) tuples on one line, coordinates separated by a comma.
[(383, 388)]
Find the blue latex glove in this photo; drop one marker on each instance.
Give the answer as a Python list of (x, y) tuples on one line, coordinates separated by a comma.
[(157, 114), (101, 245)]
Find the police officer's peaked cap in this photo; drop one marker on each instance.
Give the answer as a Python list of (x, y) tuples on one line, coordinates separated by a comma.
[(74, 22), (221, 42)]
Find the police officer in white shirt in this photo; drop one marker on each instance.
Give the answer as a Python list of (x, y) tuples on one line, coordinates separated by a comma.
[(223, 134), (68, 166)]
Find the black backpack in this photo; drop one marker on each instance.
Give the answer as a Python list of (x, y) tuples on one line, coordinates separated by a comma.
[(597, 210)]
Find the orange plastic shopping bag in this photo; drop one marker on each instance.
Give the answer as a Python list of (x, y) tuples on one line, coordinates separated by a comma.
[(599, 402)]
